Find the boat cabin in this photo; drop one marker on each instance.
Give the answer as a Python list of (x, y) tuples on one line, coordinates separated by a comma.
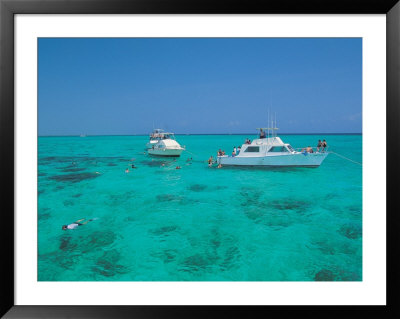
[(262, 146), (159, 134)]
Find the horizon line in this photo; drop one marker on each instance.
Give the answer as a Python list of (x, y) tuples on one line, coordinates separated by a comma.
[(87, 135)]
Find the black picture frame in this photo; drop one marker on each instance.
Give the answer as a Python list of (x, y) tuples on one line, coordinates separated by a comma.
[(8, 8)]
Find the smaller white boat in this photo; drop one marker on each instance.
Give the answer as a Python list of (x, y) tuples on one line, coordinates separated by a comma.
[(163, 144)]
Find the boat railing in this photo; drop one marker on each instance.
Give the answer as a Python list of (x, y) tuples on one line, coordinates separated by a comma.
[(314, 149)]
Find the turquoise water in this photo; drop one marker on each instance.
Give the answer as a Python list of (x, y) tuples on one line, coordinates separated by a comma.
[(159, 223)]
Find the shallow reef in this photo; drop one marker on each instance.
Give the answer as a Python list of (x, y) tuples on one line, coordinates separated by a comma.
[(74, 178), (351, 231), (164, 230), (197, 187), (107, 265)]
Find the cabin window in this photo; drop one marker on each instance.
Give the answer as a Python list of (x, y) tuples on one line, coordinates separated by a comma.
[(278, 149), (290, 148), (253, 149)]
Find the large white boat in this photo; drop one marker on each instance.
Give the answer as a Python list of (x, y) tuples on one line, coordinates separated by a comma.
[(163, 144), (270, 151)]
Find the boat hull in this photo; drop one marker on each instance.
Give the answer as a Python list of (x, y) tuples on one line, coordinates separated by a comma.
[(287, 160), (165, 152)]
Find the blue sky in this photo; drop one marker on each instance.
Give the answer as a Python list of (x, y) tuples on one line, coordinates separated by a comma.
[(199, 85)]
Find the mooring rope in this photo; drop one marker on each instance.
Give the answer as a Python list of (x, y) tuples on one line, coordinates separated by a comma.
[(190, 153), (346, 158)]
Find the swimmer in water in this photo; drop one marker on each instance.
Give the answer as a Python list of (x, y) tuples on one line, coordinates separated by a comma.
[(76, 224), (127, 170), (210, 161), (178, 167)]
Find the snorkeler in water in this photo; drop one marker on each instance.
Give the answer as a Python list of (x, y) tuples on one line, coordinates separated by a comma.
[(77, 224)]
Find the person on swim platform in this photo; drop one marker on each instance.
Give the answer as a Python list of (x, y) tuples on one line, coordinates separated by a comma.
[(76, 224)]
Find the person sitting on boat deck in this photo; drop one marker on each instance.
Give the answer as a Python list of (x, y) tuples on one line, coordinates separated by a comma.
[(223, 152), (262, 133), (75, 224), (233, 153), (319, 145), (309, 149), (324, 145)]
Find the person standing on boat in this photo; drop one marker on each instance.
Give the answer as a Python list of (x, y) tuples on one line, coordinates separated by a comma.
[(262, 133), (238, 150), (324, 145), (234, 150), (319, 145)]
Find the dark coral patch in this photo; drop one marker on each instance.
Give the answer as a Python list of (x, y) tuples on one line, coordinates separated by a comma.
[(196, 262), (164, 230), (43, 216), (63, 259), (351, 231), (111, 164), (197, 187), (73, 169), (107, 265), (168, 198), (117, 199), (324, 275), (325, 247), (68, 202), (101, 239), (57, 159), (67, 244), (231, 258), (167, 255), (290, 204), (74, 178), (77, 195), (254, 213)]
